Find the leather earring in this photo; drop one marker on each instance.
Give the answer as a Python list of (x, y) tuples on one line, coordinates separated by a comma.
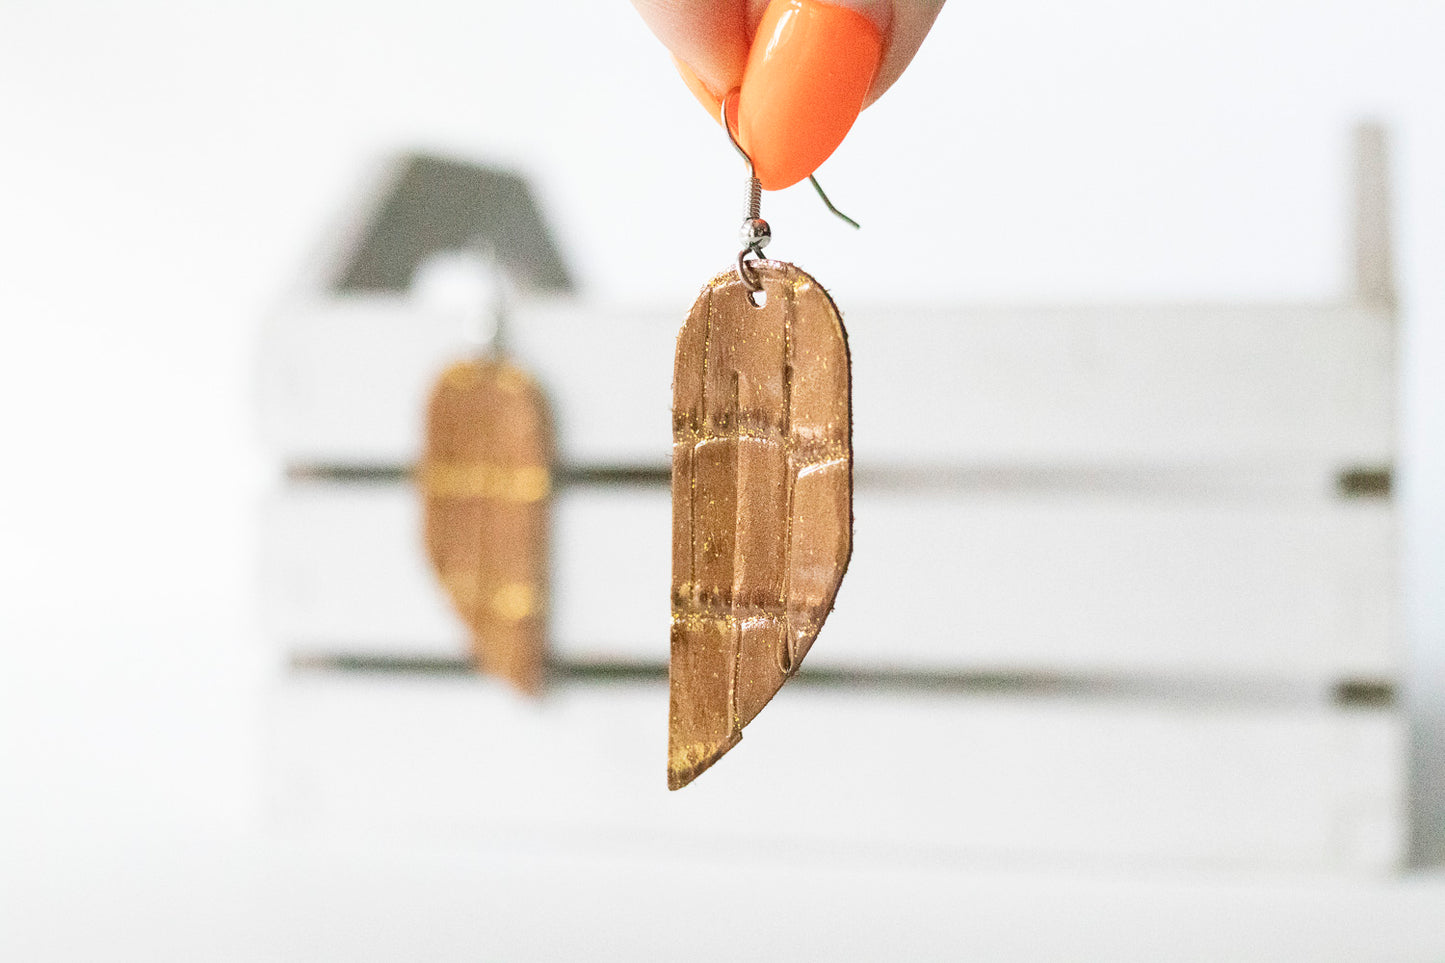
[(762, 492), (486, 481)]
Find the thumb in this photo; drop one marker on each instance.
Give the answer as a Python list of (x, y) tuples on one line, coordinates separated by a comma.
[(909, 23)]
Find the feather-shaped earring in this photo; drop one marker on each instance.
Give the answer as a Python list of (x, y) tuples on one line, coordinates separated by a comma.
[(486, 481), (762, 491)]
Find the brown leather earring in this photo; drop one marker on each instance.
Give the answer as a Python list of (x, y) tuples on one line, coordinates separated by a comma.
[(486, 481), (762, 492)]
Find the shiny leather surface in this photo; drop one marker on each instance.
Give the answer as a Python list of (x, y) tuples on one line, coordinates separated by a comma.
[(762, 489)]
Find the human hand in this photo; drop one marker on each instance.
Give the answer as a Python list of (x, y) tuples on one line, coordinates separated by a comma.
[(802, 69)]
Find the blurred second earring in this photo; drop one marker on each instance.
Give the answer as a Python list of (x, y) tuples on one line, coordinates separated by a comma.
[(486, 484)]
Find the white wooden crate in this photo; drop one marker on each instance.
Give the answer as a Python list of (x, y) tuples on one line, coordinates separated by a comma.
[(1148, 494), (1308, 387), (847, 769), (1087, 489), (943, 580)]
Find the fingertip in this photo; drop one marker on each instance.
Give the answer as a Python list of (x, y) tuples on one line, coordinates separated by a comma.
[(711, 102), (880, 12), (911, 22), (709, 36)]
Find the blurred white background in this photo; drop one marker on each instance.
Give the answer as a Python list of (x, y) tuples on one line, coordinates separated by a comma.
[(166, 168)]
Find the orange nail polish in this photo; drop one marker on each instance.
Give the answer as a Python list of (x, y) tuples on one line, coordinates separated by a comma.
[(810, 67)]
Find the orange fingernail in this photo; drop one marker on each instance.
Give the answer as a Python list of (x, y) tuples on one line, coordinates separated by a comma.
[(810, 67)]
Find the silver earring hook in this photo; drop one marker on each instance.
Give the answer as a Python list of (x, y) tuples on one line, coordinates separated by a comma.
[(723, 116), (819, 188), (497, 312), (755, 187), (755, 233)]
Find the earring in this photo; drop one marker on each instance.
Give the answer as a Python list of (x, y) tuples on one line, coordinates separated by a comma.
[(762, 491), (485, 479)]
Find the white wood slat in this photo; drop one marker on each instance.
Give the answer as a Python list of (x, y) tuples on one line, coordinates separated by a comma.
[(853, 770), (281, 899), (1309, 386), (940, 580)]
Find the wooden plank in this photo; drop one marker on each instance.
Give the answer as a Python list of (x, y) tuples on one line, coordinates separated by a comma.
[(1309, 386), (340, 900), (1374, 250), (994, 581), (854, 770)]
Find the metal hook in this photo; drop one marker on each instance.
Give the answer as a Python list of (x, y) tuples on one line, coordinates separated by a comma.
[(492, 343), (723, 112), (819, 188), (755, 233), (755, 186)]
